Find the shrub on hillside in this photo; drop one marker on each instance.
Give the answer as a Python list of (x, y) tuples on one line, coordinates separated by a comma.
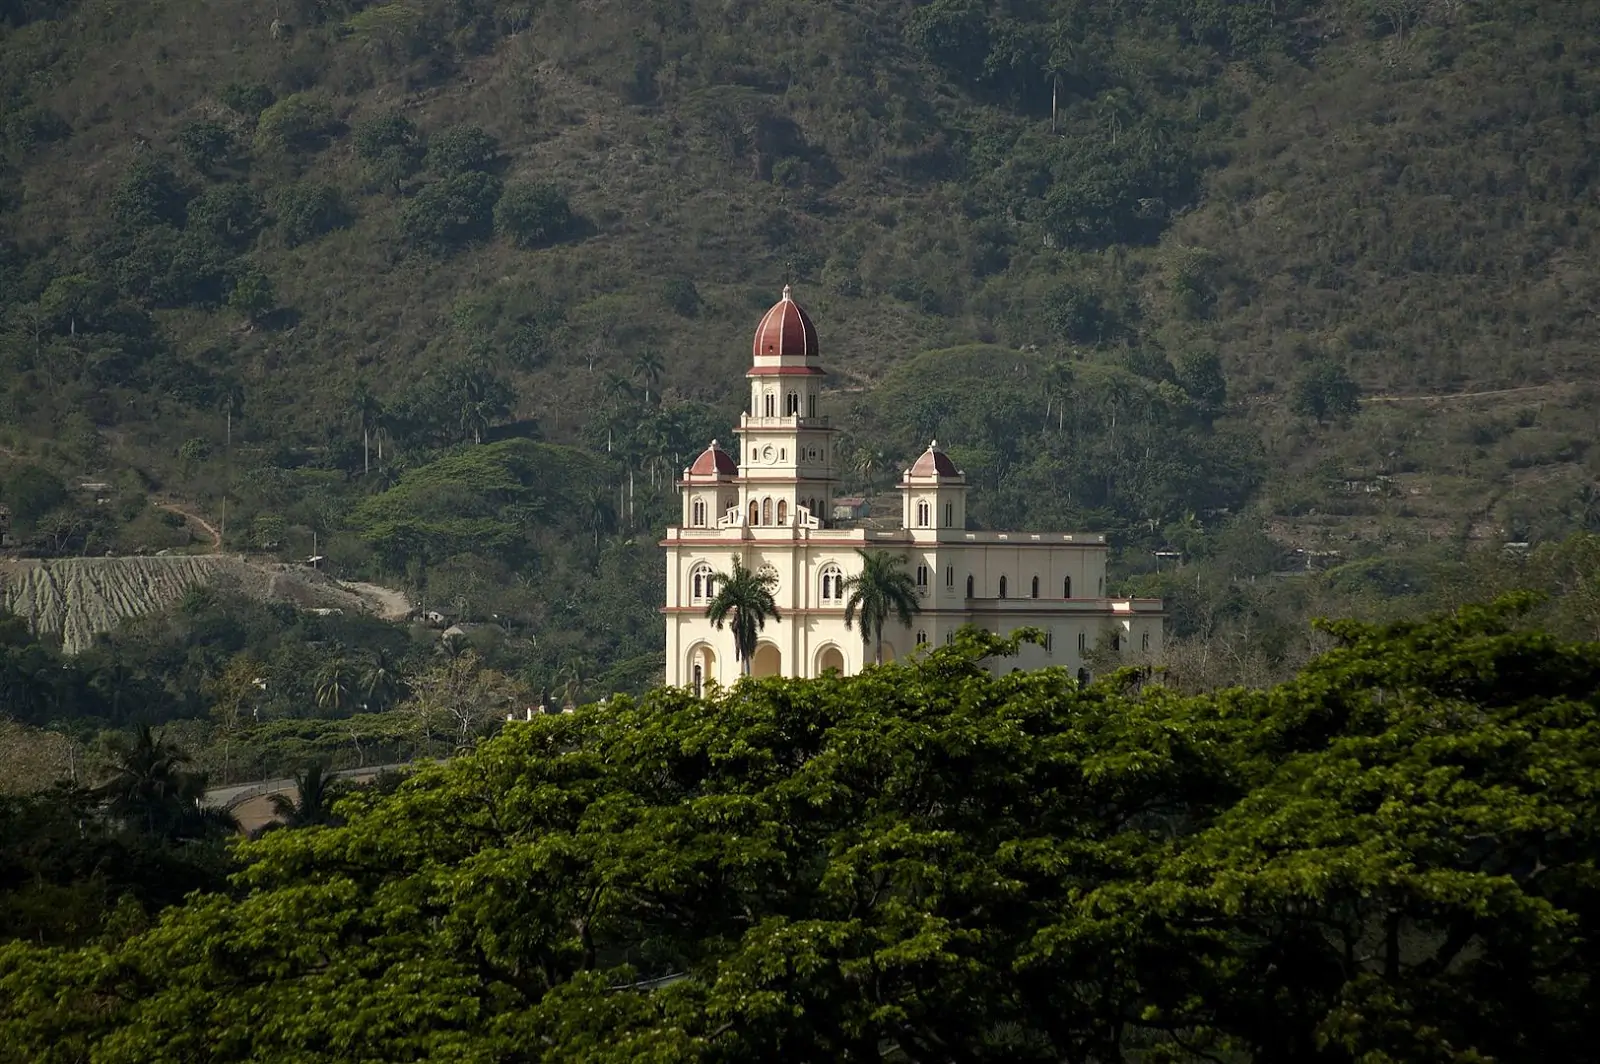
[(392, 148), (205, 144), (452, 212), (246, 98), (296, 125), (462, 149), (532, 214), (32, 127), (1324, 391), (252, 296), (307, 210), (150, 193), (31, 492), (231, 213)]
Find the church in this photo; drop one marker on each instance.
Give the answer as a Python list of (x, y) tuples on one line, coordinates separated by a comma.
[(770, 501)]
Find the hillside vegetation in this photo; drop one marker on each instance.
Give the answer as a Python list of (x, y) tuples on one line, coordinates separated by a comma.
[(1170, 268)]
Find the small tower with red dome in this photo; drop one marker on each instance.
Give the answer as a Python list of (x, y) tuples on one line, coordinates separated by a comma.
[(933, 493)]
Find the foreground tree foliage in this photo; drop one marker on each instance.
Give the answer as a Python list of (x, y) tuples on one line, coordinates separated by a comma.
[(1390, 858)]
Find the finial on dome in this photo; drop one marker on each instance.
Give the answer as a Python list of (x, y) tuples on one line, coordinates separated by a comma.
[(717, 445), (786, 291), (933, 445)]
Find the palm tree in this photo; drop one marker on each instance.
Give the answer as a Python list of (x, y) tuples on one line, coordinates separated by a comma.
[(315, 792), (150, 783), (880, 589), (647, 366), (617, 391), (381, 684), (369, 415), (336, 687), (744, 602)]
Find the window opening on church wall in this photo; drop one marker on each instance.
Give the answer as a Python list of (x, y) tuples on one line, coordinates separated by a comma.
[(949, 576), (783, 511), (700, 583), (922, 578), (922, 638), (969, 586), (1035, 593), (832, 583), (755, 512), (1066, 587), (811, 406), (766, 511), (922, 515), (949, 515), (772, 402), (1002, 587), (791, 404)]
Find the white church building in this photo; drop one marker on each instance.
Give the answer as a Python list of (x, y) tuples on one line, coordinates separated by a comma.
[(770, 502)]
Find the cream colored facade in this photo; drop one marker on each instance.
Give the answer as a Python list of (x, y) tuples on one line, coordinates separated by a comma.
[(765, 502)]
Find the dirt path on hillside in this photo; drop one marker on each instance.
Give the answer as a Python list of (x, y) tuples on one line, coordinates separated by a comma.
[(392, 605), (1463, 395), (190, 515)]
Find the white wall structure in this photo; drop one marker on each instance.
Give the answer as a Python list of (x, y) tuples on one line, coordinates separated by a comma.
[(767, 503)]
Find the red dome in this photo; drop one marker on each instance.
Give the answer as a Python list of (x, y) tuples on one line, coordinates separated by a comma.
[(714, 461), (934, 463), (786, 329)]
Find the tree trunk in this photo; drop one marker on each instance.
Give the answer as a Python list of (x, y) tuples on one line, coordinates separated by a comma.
[(366, 451)]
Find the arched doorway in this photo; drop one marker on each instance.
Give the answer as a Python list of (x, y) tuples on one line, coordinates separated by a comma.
[(830, 657), (702, 667), (767, 662)]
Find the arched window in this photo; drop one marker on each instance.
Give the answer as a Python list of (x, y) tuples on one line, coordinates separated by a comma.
[(949, 576), (1066, 587), (1100, 588), (922, 578), (783, 511), (766, 511), (701, 581), (811, 406), (949, 515), (922, 638), (1035, 593), (791, 404), (1002, 587), (1145, 642), (1083, 642), (755, 512), (699, 513), (969, 585), (949, 637), (1116, 641), (1049, 640), (922, 515), (832, 584), (772, 402)]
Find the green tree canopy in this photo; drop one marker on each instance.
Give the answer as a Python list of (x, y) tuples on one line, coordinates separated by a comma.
[(1388, 859)]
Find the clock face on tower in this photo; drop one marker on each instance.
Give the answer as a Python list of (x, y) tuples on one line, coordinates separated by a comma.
[(766, 453)]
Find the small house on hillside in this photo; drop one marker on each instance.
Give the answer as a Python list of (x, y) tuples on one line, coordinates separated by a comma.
[(851, 508)]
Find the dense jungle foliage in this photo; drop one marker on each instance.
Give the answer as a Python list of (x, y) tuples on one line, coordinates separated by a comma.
[(446, 290), (1388, 858)]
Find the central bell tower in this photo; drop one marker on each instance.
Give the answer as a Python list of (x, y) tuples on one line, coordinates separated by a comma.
[(786, 447)]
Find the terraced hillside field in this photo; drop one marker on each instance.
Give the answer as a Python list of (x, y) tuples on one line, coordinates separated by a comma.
[(79, 597)]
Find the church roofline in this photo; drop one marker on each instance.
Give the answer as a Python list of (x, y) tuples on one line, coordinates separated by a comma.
[(785, 371)]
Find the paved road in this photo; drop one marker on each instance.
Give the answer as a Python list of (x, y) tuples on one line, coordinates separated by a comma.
[(231, 795)]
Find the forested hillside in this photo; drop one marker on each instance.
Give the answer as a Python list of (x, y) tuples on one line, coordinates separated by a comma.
[(1177, 269)]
